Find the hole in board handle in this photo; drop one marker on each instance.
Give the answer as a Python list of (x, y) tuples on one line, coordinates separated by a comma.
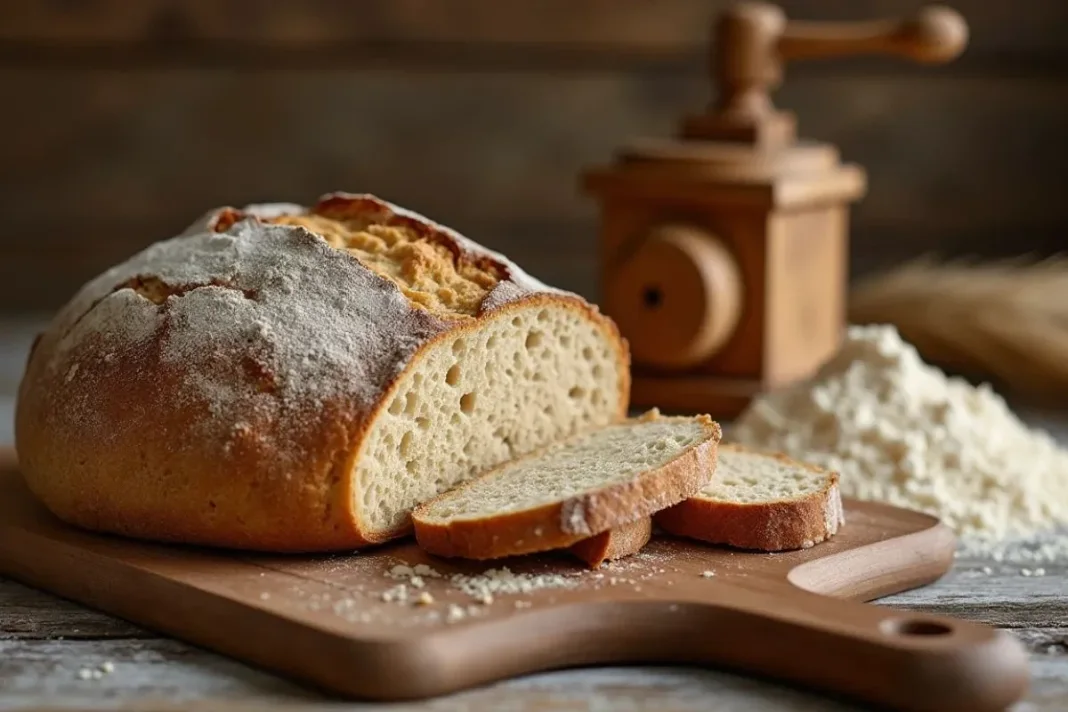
[(915, 627)]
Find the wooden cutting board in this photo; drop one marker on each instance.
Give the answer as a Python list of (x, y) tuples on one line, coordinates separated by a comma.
[(326, 620)]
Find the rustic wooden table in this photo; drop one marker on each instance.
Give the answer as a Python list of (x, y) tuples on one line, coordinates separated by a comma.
[(46, 643)]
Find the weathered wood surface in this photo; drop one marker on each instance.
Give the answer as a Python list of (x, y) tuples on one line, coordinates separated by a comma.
[(133, 119)]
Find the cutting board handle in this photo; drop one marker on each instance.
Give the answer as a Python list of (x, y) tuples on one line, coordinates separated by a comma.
[(901, 659), (891, 658)]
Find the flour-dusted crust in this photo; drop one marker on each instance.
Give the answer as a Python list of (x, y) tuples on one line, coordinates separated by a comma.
[(622, 541), (779, 525), (560, 524), (216, 388)]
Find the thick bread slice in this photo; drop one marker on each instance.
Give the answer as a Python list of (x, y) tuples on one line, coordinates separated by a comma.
[(616, 543), (572, 490), (762, 501), (297, 379)]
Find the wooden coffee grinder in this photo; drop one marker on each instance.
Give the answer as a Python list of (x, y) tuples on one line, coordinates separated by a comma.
[(723, 252)]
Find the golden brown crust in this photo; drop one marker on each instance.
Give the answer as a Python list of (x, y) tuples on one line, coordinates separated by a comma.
[(617, 543), (558, 525), (109, 440), (215, 495), (765, 526)]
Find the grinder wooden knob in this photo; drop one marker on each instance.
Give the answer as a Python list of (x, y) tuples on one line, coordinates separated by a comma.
[(677, 298)]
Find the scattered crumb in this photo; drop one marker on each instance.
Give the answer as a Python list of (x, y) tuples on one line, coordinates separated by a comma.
[(397, 594), (424, 570), (108, 667), (987, 570), (424, 599), (1025, 572), (486, 600), (455, 613), (708, 574), (264, 596), (522, 604), (416, 582), (85, 674)]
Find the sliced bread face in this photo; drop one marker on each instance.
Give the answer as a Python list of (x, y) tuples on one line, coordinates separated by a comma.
[(760, 501), (620, 542), (572, 490)]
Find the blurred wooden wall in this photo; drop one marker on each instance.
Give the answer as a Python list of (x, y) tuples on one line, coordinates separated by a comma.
[(124, 120)]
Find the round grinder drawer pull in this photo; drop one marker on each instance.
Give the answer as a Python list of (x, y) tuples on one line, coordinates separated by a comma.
[(678, 298)]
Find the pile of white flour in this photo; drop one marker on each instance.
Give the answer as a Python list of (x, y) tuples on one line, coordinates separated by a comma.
[(900, 431)]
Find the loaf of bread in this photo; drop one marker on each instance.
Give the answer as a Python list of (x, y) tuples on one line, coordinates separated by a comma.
[(296, 379), (760, 501)]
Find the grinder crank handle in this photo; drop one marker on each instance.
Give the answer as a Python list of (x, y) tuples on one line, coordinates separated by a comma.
[(754, 40), (934, 34)]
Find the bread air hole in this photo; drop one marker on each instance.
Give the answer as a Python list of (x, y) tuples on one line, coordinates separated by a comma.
[(458, 346), (534, 340), (576, 392), (467, 402), (411, 403), (452, 377), (396, 406), (543, 315), (406, 445)]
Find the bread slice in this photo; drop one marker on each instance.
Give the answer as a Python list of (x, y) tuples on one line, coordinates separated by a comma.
[(617, 543), (290, 378), (572, 490), (762, 501)]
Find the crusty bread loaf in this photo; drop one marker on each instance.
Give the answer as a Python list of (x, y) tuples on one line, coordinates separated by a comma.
[(616, 543), (292, 379), (573, 489), (762, 501)]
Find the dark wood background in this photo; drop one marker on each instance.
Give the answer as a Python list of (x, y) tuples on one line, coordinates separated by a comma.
[(124, 120)]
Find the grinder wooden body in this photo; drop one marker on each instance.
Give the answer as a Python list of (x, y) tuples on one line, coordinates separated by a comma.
[(724, 250)]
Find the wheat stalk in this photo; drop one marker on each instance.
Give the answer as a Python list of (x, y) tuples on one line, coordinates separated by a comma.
[(1004, 321)]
